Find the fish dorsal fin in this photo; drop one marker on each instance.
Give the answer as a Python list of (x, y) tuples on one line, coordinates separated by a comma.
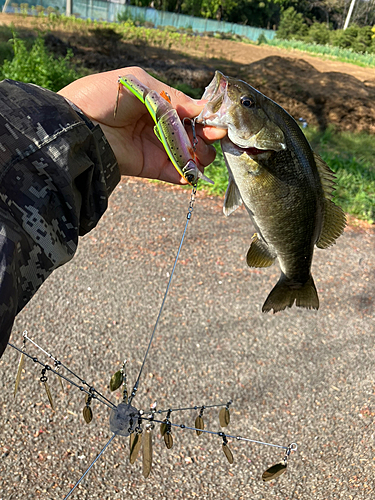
[(327, 176), (259, 254), (334, 219), (233, 198)]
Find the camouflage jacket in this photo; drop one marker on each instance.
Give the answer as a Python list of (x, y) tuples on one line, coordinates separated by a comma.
[(56, 174)]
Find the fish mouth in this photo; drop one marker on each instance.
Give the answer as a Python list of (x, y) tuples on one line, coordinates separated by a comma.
[(217, 96), (214, 93)]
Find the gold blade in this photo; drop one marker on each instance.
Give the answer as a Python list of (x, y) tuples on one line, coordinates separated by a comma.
[(228, 453), (168, 440), (87, 414), (224, 417), (19, 372), (46, 386), (147, 453), (199, 424), (116, 380), (61, 383), (135, 445), (274, 471)]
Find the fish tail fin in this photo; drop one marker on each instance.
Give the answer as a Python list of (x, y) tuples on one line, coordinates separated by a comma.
[(285, 293)]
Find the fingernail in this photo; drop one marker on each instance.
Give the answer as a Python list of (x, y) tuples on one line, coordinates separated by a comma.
[(200, 102)]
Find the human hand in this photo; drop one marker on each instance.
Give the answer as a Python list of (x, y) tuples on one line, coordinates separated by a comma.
[(131, 134)]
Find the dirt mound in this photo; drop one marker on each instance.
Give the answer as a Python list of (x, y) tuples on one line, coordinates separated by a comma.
[(320, 98)]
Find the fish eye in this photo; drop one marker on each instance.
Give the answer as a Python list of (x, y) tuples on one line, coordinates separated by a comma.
[(247, 102)]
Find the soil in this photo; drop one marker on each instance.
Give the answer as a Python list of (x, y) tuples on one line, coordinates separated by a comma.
[(320, 91)]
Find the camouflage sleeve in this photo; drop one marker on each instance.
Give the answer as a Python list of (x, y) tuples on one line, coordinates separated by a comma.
[(56, 174)]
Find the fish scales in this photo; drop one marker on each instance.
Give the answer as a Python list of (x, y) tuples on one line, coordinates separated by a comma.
[(285, 187)]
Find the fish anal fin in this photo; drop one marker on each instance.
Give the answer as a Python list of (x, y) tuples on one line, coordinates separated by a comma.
[(334, 222), (232, 199), (259, 254), (285, 293)]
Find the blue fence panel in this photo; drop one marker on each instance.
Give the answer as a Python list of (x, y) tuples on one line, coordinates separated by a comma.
[(198, 24)]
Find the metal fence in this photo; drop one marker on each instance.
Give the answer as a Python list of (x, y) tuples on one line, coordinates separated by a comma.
[(108, 11)]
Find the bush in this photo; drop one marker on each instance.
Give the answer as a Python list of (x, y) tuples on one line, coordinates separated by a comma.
[(355, 38), (38, 66), (126, 15), (363, 41), (292, 25), (262, 39), (319, 33)]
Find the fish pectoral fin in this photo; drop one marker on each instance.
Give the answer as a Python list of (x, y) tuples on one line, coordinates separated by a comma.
[(259, 254), (233, 198), (334, 222)]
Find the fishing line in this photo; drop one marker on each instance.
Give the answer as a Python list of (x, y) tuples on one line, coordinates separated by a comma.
[(221, 434), (90, 466), (188, 217)]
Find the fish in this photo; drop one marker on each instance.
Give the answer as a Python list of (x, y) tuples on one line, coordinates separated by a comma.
[(286, 188)]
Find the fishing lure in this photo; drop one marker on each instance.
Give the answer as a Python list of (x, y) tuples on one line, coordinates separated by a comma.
[(169, 129), (127, 421)]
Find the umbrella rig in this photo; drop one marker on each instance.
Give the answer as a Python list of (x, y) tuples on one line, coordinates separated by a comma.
[(127, 420)]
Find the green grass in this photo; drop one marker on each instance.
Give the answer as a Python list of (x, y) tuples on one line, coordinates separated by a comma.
[(350, 156), (328, 51), (218, 173)]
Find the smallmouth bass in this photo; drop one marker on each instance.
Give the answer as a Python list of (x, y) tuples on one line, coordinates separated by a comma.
[(285, 187)]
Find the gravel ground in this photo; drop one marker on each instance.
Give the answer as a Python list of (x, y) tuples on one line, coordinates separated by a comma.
[(299, 375)]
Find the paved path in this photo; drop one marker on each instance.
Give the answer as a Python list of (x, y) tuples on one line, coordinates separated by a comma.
[(295, 376)]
